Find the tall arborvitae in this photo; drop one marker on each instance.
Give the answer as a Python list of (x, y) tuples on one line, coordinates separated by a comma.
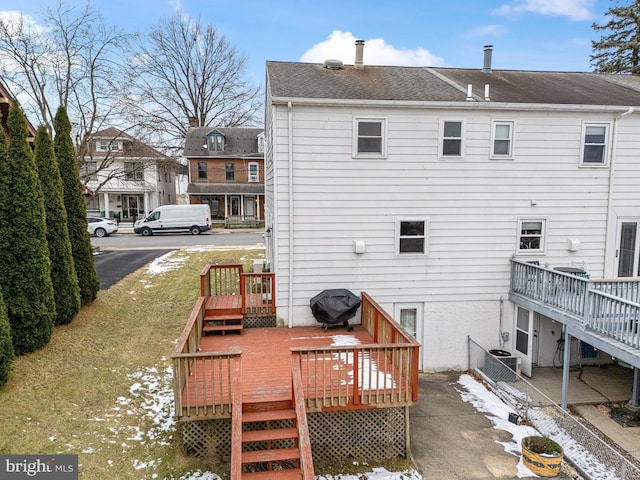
[(76, 209), (66, 290), (25, 275), (6, 346)]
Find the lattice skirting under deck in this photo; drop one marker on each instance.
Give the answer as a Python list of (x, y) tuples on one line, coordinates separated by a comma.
[(358, 435), (260, 321)]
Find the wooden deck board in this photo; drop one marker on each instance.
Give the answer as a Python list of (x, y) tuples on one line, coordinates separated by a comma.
[(266, 360)]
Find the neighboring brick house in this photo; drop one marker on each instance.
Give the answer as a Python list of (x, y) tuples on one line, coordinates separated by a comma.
[(130, 178), (226, 170)]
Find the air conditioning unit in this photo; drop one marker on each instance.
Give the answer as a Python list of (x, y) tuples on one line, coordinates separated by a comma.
[(253, 178), (502, 366)]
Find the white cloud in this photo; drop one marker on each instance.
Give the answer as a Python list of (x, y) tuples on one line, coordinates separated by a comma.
[(18, 20), (494, 30), (341, 46), (574, 9)]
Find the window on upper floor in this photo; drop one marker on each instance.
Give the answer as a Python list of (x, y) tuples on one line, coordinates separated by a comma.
[(594, 147), (411, 236), (215, 141), (502, 140), (531, 235), (369, 137), (253, 172), (260, 140), (202, 171), (133, 171), (108, 145), (229, 172), (451, 138)]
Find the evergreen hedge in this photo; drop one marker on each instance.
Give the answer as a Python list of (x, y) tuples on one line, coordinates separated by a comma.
[(25, 268), (76, 209), (66, 290), (6, 346)]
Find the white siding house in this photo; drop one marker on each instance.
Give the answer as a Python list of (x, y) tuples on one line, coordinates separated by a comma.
[(128, 177), (418, 185)]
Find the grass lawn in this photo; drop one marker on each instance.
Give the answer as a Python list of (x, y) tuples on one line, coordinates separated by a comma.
[(102, 387)]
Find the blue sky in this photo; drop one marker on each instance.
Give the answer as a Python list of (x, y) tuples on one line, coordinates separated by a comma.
[(552, 35)]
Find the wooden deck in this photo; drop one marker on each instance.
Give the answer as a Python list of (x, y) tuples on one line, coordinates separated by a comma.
[(266, 361)]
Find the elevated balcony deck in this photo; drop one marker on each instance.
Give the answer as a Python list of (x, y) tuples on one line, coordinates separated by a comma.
[(603, 313)]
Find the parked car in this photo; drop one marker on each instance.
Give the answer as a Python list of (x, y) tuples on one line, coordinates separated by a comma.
[(194, 219), (101, 227)]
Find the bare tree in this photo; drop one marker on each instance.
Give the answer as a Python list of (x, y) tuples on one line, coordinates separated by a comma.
[(73, 60), (189, 75)]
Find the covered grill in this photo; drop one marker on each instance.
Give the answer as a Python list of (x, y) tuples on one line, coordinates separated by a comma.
[(334, 307)]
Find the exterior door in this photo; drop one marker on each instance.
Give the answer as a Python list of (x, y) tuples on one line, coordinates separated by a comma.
[(409, 316), (235, 205), (249, 209), (524, 338), (628, 249)]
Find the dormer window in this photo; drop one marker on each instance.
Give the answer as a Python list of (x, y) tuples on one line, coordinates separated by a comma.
[(109, 145), (215, 141)]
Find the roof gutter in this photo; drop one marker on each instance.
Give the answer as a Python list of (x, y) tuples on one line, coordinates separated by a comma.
[(462, 105)]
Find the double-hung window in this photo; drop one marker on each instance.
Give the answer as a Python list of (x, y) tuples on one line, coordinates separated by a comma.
[(451, 138), (412, 236), (369, 137), (502, 140), (133, 171), (253, 172), (229, 172), (202, 171), (531, 238), (594, 147)]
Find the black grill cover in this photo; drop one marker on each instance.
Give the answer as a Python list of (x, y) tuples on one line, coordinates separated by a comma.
[(333, 307)]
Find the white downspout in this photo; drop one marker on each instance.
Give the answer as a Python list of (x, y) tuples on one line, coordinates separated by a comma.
[(290, 154), (608, 259)]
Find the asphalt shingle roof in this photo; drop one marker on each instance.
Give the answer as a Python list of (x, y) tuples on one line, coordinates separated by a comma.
[(239, 141), (315, 81)]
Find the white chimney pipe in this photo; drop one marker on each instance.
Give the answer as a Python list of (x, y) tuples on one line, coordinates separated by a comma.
[(488, 50), (486, 92), (359, 54)]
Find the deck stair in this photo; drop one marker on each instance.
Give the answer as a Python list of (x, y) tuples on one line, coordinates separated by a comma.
[(270, 442), (223, 315)]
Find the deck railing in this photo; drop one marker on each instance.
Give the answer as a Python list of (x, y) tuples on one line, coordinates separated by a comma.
[(597, 305), (257, 289), (260, 293), (380, 374), (304, 441), (211, 373)]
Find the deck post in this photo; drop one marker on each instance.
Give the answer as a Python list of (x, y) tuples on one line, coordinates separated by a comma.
[(634, 394), (565, 369), (356, 370)]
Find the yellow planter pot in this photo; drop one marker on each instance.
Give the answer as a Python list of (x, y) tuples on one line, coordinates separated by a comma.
[(542, 456)]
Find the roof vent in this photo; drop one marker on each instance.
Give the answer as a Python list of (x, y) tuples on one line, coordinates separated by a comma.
[(333, 64)]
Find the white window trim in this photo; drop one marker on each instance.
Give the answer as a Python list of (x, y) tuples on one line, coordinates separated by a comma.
[(441, 139), (426, 236), (543, 240), (512, 131), (383, 153), (607, 142), (251, 178)]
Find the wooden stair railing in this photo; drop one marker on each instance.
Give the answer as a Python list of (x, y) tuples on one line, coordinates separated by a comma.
[(304, 440), (266, 443)]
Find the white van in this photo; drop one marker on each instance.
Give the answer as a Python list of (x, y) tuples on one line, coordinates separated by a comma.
[(175, 219)]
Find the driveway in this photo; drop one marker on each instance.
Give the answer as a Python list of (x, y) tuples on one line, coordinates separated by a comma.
[(113, 265)]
